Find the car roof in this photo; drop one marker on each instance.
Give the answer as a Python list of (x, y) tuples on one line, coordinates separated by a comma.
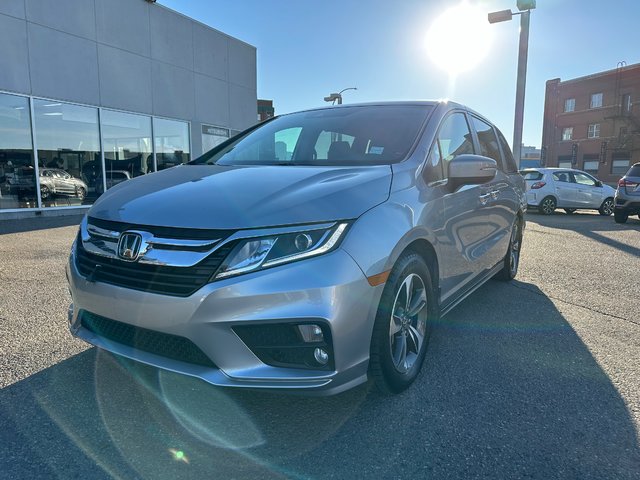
[(418, 103)]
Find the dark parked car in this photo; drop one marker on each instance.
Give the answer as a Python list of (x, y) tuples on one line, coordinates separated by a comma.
[(627, 199)]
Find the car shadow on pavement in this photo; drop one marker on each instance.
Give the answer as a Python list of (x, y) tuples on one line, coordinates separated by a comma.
[(509, 390), (591, 226)]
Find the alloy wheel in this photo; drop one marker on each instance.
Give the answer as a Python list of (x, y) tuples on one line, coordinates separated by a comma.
[(408, 324), (607, 207), (548, 206)]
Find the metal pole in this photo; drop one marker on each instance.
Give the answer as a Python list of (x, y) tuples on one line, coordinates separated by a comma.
[(520, 86)]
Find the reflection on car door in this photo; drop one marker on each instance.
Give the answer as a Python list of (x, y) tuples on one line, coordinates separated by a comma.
[(465, 213), (588, 194), (566, 189), (502, 203), (63, 182)]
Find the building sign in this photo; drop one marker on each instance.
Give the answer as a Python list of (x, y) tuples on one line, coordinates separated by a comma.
[(213, 136), (603, 152), (574, 154)]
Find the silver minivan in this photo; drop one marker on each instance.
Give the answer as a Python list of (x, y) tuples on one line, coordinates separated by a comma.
[(310, 252)]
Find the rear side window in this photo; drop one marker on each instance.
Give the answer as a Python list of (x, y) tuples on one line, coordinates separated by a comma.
[(488, 141), (454, 139), (562, 177), (532, 175), (509, 162), (634, 171)]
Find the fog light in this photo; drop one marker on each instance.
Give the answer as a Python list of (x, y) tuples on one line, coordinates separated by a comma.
[(311, 333), (321, 356)]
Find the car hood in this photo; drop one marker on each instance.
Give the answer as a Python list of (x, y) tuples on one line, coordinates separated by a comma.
[(232, 197)]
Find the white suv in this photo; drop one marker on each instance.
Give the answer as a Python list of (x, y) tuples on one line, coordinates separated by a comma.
[(551, 188)]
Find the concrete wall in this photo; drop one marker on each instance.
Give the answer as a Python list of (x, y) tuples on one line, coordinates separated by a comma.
[(128, 55)]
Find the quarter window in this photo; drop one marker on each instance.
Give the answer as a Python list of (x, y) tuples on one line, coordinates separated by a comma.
[(488, 141), (454, 139), (567, 133), (510, 162), (569, 104), (594, 130), (596, 100)]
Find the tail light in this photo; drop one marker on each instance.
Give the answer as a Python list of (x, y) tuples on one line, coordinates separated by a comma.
[(626, 183), (538, 185)]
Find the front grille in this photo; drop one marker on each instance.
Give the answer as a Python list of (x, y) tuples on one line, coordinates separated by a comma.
[(166, 232), (164, 280), (162, 344)]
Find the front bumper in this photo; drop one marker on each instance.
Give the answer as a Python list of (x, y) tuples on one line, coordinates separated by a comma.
[(329, 289)]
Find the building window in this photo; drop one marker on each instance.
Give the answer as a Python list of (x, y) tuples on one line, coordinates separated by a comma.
[(591, 164), (567, 133), (69, 159), (127, 146), (17, 169), (172, 142), (564, 161), (569, 104), (620, 164), (596, 100), (213, 136), (594, 130)]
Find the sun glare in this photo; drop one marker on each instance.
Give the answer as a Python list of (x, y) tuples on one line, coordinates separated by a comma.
[(459, 39)]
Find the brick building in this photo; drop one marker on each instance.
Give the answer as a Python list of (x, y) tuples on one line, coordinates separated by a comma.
[(592, 123)]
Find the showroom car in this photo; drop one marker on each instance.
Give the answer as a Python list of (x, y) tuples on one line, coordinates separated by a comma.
[(566, 188), (311, 252)]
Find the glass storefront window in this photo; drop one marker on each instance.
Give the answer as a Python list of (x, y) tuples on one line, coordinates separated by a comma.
[(127, 146), (69, 160), (17, 171), (172, 142)]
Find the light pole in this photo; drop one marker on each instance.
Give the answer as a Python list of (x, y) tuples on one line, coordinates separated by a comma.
[(337, 96), (525, 7)]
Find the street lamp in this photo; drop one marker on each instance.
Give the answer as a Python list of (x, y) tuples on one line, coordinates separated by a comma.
[(337, 96), (525, 7)]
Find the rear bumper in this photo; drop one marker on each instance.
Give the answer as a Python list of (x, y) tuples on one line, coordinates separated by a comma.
[(626, 205)]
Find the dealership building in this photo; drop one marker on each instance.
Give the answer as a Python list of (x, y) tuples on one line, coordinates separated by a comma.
[(93, 93)]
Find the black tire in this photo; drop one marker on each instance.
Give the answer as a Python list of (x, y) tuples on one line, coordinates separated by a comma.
[(81, 193), (44, 192), (385, 370), (570, 210), (620, 217), (547, 205), (511, 260), (606, 209)]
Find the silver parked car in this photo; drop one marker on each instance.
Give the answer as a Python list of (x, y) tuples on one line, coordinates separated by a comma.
[(310, 252), (566, 188), (55, 181)]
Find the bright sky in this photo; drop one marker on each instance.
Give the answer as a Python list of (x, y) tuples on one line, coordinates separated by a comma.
[(310, 48)]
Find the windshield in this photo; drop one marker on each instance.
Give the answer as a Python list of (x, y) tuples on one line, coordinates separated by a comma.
[(364, 135)]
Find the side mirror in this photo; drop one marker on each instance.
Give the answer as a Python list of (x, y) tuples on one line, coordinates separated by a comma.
[(598, 183), (471, 170)]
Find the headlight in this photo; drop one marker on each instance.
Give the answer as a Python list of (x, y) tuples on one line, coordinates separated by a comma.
[(256, 253)]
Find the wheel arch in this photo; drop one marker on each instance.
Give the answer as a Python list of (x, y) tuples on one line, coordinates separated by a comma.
[(427, 252)]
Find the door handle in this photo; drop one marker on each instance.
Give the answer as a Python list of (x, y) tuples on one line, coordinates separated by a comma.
[(484, 198), (494, 194)]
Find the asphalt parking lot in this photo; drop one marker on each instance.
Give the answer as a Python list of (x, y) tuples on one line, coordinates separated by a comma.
[(539, 378)]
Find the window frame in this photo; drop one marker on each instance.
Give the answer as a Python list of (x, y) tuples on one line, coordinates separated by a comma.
[(568, 137), (600, 97), (596, 130), (572, 102)]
